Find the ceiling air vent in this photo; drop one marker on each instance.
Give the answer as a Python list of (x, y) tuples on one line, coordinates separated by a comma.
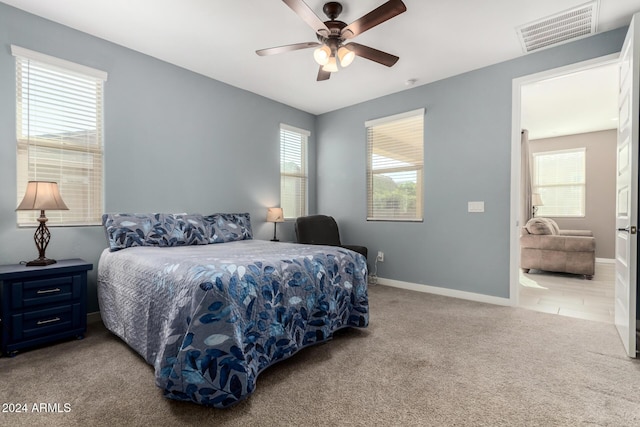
[(572, 24)]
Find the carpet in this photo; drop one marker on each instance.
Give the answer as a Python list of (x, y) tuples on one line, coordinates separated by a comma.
[(425, 360)]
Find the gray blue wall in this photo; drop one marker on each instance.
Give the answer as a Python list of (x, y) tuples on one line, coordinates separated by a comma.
[(467, 158), (175, 141)]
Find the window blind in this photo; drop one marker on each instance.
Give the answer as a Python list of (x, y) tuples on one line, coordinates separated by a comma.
[(59, 129), (395, 159), (293, 171), (559, 177)]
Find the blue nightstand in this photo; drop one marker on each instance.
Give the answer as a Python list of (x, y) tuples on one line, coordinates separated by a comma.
[(42, 304)]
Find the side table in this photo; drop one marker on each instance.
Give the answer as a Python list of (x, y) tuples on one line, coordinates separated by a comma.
[(39, 305)]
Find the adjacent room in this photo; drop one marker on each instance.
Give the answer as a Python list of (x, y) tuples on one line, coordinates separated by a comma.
[(300, 212), (571, 121)]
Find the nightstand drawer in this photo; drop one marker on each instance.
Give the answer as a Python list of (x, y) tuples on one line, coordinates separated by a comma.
[(45, 291), (48, 321)]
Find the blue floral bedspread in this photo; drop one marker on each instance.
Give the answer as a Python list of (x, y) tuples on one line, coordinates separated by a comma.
[(210, 318)]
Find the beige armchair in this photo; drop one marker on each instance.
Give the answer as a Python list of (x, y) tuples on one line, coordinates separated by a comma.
[(543, 246)]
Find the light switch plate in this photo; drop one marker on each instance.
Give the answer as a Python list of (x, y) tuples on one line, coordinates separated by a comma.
[(476, 207)]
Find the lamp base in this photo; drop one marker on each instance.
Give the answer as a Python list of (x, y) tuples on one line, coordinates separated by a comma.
[(41, 237), (275, 239), (40, 262)]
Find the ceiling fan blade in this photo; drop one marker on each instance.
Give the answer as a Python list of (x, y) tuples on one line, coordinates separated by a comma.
[(377, 16), (323, 75), (286, 48), (373, 54), (307, 15)]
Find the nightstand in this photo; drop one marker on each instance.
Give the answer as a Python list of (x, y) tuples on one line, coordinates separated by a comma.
[(39, 305)]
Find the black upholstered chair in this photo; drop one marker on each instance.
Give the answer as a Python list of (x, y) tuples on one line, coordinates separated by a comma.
[(322, 230)]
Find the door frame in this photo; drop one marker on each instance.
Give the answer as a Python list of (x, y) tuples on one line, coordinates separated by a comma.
[(516, 127)]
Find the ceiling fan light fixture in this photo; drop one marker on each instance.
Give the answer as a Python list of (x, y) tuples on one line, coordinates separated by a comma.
[(346, 56), (329, 51), (331, 66), (322, 54)]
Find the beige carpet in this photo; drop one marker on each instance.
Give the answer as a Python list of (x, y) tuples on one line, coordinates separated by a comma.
[(425, 360)]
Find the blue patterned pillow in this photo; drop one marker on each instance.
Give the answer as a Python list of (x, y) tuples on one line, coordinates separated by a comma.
[(127, 230), (229, 227)]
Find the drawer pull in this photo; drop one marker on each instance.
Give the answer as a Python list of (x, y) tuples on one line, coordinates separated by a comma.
[(47, 291), (44, 322)]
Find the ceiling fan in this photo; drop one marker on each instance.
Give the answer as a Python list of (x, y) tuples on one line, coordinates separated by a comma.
[(331, 48)]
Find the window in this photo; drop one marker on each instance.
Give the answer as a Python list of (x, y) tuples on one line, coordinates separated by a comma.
[(395, 152), (559, 177), (59, 134), (293, 171)]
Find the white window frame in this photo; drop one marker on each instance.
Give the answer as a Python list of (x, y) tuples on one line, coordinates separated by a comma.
[(70, 154), (294, 204), (412, 162), (547, 209)]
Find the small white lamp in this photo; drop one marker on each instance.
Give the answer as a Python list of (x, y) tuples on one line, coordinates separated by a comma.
[(536, 201), (275, 215)]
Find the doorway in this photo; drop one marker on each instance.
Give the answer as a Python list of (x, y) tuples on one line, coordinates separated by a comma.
[(556, 292)]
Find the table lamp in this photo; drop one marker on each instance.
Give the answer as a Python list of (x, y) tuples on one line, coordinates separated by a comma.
[(42, 195), (275, 215), (536, 201)]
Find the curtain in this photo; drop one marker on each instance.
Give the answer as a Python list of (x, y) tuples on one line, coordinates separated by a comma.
[(525, 180)]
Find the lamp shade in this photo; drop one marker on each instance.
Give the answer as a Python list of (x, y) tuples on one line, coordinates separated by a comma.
[(331, 65), (322, 54), (275, 215), (41, 196), (536, 200), (346, 56)]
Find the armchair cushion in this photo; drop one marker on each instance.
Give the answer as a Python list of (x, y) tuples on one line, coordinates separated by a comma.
[(542, 226), (317, 230)]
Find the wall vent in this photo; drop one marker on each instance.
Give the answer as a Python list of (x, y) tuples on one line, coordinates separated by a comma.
[(578, 22)]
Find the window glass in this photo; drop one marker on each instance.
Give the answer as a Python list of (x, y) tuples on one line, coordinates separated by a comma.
[(559, 178), (293, 171), (59, 135), (395, 154)]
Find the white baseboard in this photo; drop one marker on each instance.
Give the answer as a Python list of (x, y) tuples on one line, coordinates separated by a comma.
[(444, 292), (606, 260)]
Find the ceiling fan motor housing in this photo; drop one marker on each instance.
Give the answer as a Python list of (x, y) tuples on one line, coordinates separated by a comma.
[(334, 39), (332, 9)]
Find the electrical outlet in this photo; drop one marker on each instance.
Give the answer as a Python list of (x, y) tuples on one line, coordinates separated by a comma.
[(380, 256)]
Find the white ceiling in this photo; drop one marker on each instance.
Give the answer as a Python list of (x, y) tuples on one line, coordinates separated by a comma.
[(434, 40), (580, 102)]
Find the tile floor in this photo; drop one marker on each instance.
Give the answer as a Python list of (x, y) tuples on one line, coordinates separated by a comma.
[(570, 295)]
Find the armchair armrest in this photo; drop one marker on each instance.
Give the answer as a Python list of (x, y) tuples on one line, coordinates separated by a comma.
[(360, 249)]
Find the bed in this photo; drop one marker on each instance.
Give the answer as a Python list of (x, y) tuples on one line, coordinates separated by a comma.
[(210, 307)]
